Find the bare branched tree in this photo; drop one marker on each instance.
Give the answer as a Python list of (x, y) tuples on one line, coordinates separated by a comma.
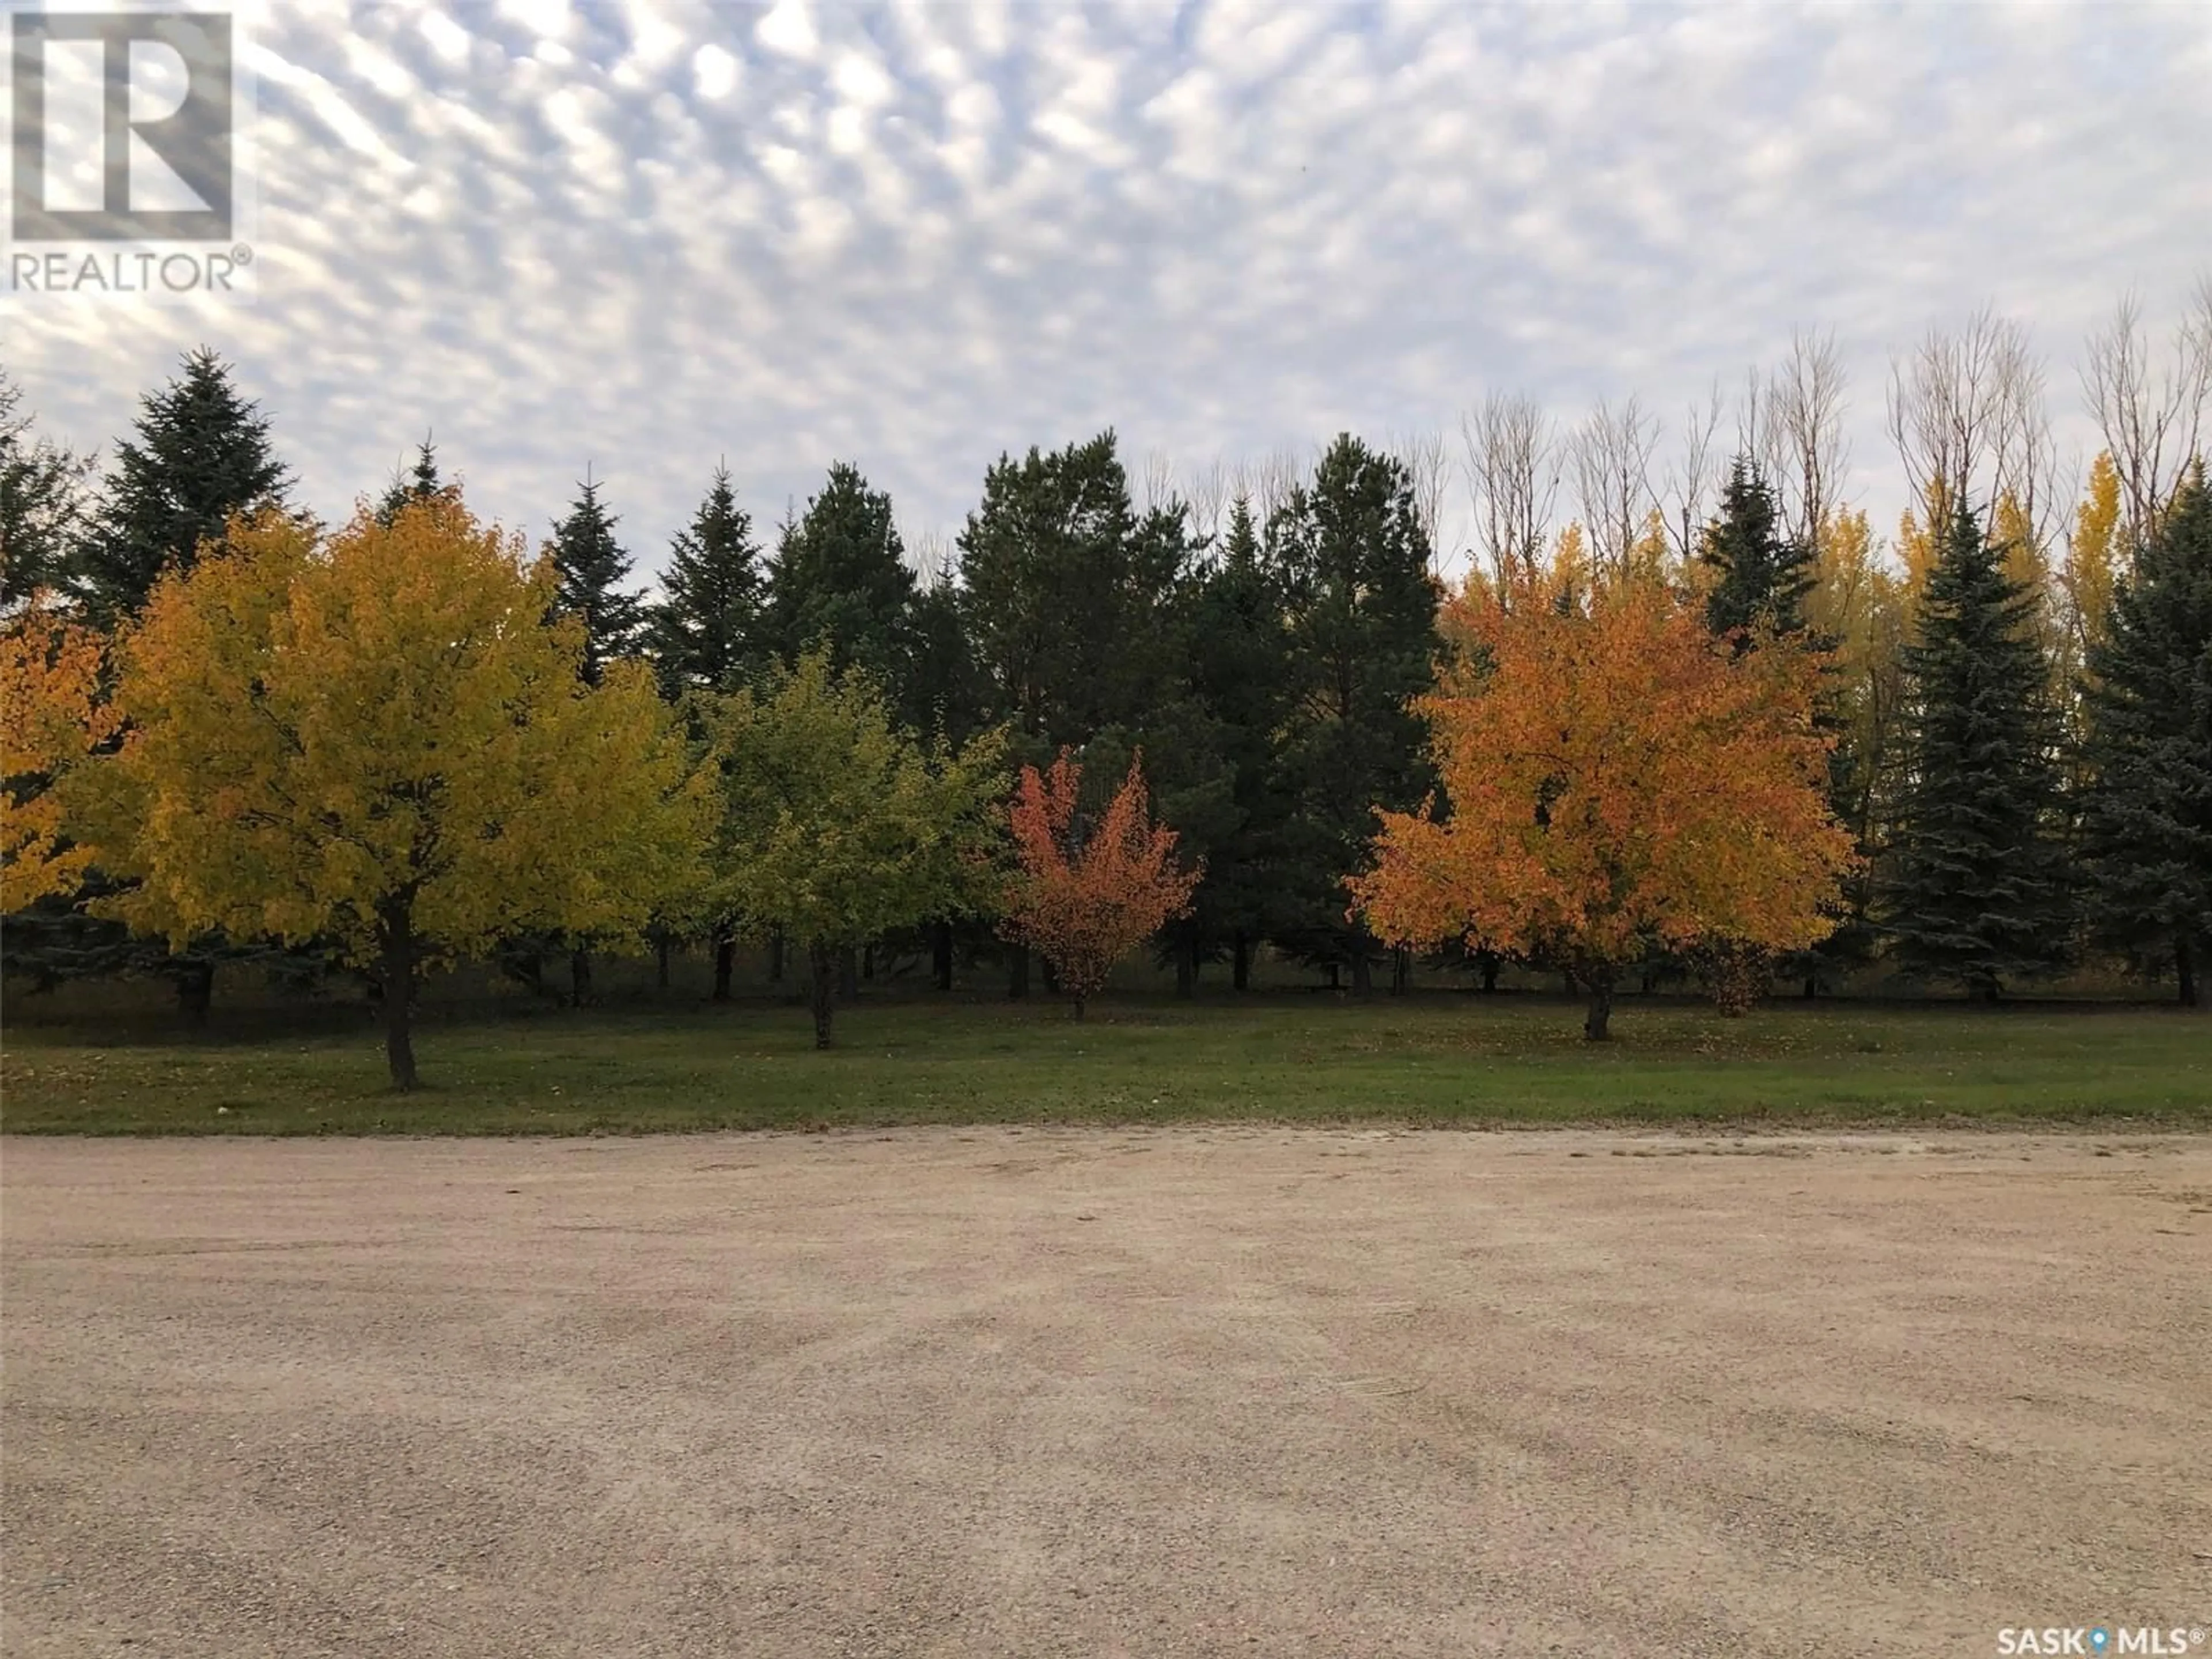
[(2153, 422), (1693, 473), (1612, 454), (1160, 480), (1755, 439), (931, 554), (1209, 498), (1805, 415), (1965, 412), (1428, 467), (1512, 479), (1266, 483)]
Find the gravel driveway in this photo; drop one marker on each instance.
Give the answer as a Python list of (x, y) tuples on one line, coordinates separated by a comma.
[(1200, 1391)]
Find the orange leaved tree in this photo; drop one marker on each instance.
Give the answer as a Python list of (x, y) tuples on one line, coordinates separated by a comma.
[(1090, 890), (1617, 781)]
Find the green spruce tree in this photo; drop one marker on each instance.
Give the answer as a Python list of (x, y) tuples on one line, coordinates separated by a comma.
[(1069, 591), (706, 630), (1977, 891), (1349, 557), (199, 453), (1761, 576), (593, 567), (41, 502), (1077, 612), (840, 583), (1238, 674), (2146, 823), (417, 483)]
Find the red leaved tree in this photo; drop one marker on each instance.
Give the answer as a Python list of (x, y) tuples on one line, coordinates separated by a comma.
[(1090, 890)]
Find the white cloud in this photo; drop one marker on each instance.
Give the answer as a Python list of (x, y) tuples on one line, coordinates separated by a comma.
[(789, 29), (713, 72), (649, 235)]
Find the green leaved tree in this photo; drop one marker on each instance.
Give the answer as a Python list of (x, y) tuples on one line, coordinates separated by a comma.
[(837, 824)]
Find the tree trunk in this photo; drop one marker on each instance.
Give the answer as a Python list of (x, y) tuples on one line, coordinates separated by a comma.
[(775, 955), (1812, 987), (2184, 967), (1362, 977), (1079, 1008), (1018, 973), (848, 973), (580, 977), (1051, 977), (868, 962), (1335, 976), (661, 947), (726, 962), (1240, 964), (1488, 960), (940, 954), (1600, 1007), (1187, 966), (820, 983), (397, 972), (1402, 971), (194, 992)]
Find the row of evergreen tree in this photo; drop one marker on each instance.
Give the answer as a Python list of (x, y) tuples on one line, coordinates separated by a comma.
[(1270, 676)]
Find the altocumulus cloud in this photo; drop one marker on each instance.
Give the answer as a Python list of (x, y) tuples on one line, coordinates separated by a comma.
[(642, 236)]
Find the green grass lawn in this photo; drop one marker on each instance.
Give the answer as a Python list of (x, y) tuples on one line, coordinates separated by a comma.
[(1427, 1058)]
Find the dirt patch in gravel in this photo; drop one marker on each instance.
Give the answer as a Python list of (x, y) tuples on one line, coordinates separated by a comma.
[(1203, 1391)]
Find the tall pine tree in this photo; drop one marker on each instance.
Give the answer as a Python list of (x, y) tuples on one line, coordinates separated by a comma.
[(1070, 592), (417, 483), (1761, 576), (2148, 819), (41, 501), (707, 631), (840, 583), (1977, 893), (1758, 578), (1350, 559), (593, 567), (199, 453), (1239, 673)]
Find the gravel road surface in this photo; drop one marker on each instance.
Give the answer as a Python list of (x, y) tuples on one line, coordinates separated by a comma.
[(1211, 1390)]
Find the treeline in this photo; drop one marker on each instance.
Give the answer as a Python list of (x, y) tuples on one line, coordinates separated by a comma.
[(2009, 704)]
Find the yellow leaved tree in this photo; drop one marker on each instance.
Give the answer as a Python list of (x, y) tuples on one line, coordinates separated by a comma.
[(380, 739), (2095, 558), (51, 718)]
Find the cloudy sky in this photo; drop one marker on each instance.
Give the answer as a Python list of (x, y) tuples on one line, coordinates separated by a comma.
[(644, 236)]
